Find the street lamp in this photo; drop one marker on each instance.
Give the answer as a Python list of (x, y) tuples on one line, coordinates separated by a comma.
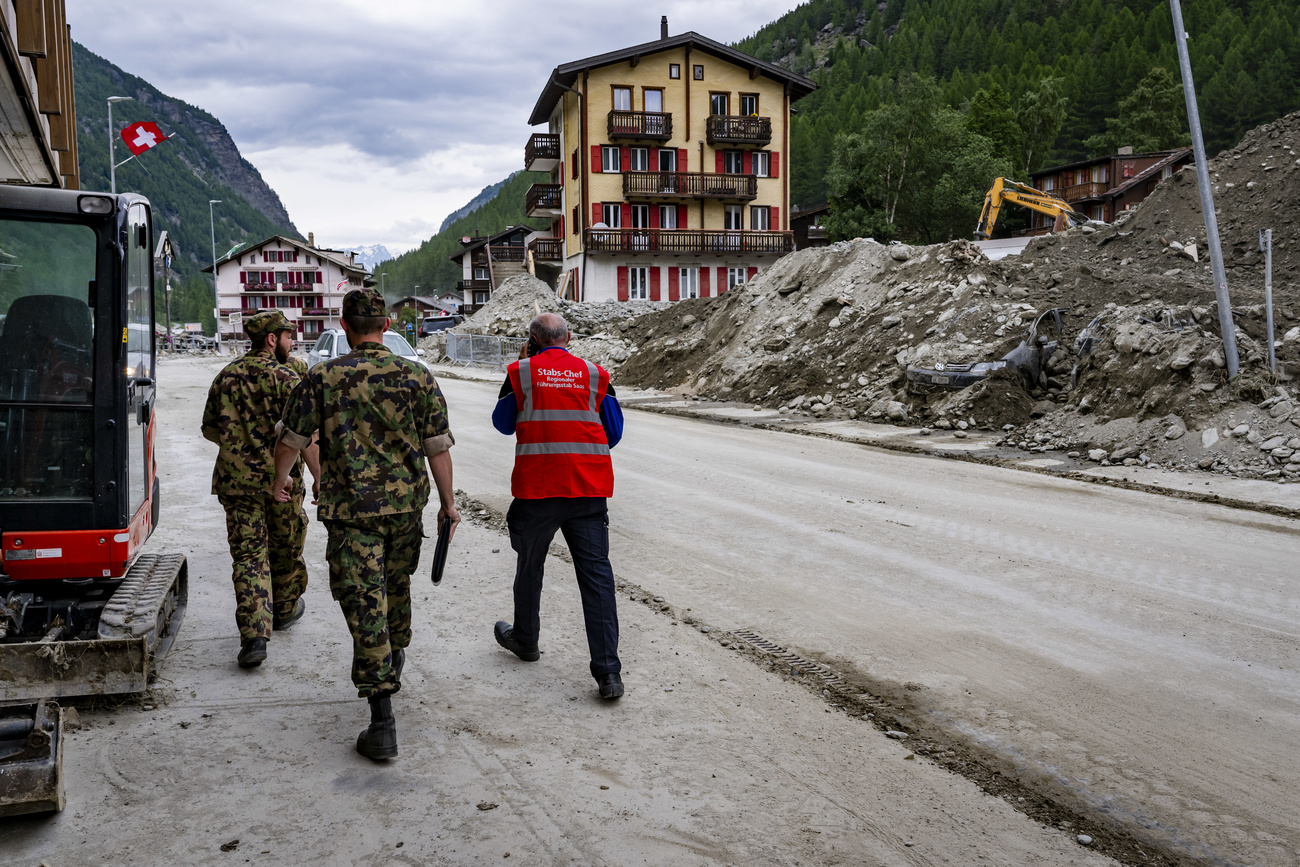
[(382, 275), (112, 161), (216, 296)]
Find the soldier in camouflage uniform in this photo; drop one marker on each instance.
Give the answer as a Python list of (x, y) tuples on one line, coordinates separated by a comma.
[(378, 417), (266, 537)]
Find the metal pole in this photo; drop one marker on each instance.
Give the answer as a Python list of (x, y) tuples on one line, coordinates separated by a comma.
[(1226, 326), (1267, 245), (167, 294), (216, 294), (112, 160)]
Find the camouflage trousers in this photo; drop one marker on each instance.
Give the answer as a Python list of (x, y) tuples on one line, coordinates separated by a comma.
[(266, 540), (371, 561)]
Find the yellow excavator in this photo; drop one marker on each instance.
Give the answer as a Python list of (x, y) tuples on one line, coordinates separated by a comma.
[(1006, 190)]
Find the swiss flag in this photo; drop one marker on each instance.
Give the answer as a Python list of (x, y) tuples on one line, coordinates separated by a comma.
[(139, 137)]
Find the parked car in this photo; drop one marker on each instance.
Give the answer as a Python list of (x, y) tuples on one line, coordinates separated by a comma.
[(432, 324), (334, 343)]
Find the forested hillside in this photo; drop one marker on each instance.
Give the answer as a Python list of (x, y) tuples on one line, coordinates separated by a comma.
[(198, 163), (428, 265), (1245, 56)]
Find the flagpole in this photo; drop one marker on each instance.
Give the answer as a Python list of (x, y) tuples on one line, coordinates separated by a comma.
[(112, 169)]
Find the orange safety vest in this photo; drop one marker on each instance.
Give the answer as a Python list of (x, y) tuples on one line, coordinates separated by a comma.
[(560, 445)]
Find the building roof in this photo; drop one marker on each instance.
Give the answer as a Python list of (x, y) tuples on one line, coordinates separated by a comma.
[(426, 300), (1051, 170), (338, 257), (476, 243), (564, 75), (1146, 173)]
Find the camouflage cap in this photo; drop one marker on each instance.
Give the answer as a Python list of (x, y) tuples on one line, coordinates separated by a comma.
[(364, 302), (259, 325)]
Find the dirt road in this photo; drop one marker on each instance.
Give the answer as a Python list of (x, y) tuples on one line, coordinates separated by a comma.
[(707, 760), (1134, 653)]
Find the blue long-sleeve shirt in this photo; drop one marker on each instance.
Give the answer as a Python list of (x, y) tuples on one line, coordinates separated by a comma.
[(507, 409)]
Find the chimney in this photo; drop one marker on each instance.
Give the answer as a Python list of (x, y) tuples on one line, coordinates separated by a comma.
[(1126, 151), (311, 239), (663, 27)]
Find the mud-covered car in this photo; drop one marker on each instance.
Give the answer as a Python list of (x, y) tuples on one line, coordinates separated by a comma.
[(1028, 359)]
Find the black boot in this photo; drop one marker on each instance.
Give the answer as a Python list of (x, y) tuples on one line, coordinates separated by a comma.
[(252, 653), (379, 741)]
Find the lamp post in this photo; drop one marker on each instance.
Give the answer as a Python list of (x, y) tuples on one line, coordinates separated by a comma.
[(382, 275), (112, 160), (216, 295)]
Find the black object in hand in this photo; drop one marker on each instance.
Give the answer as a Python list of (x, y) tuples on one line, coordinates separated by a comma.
[(440, 550)]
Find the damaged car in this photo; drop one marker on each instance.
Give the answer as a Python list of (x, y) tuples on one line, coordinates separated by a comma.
[(1029, 359)]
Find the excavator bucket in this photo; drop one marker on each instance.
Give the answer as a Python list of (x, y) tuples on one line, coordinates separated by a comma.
[(31, 759)]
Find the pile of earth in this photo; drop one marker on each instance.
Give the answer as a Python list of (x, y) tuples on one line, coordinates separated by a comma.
[(831, 332)]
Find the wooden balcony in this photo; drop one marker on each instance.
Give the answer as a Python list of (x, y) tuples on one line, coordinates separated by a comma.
[(653, 125), (544, 200), (474, 285), (1079, 192), (542, 153), (689, 185), (738, 130), (547, 249), (687, 241), (507, 254)]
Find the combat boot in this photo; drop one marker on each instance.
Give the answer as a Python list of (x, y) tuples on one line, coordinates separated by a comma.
[(252, 653), (379, 741)]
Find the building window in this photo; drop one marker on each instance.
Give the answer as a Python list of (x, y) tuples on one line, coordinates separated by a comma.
[(1099, 212), (1100, 174), (718, 103), (481, 274), (481, 297), (763, 164), (732, 218), (1166, 173), (733, 162), (282, 277), (610, 161), (689, 282), (622, 99), (668, 216), (699, 72), (1049, 183), (612, 215), (748, 104), (638, 284), (674, 70), (640, 216), (760, 218), (638, 160), (735, 278), (653, 98), (667, 160)]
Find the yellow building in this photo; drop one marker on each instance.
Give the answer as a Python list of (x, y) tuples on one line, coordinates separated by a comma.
[(669, 168)]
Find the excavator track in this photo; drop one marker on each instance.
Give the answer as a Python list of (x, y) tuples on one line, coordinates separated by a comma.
[(136, 629)]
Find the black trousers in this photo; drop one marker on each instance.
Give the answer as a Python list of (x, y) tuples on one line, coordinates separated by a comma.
[(584, 521)]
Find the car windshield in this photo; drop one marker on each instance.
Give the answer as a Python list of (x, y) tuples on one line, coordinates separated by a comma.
[(397, 343)]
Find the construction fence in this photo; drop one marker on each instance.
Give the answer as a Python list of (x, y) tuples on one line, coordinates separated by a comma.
[(483, 349)]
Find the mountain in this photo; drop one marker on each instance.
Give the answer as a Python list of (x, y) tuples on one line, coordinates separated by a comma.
[(1245, 57), (428, 265), (488, 193), (371, 256), (198, 162)]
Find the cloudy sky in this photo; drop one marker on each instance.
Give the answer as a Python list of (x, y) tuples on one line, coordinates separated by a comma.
[(374, 119)]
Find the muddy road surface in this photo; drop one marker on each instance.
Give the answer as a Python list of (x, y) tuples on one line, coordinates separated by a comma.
[(1134, 655)]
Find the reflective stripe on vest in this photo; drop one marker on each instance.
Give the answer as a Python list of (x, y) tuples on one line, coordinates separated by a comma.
[(558, 415), (561, 449)]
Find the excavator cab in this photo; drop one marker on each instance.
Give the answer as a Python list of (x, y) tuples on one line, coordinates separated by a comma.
[(82, 610)]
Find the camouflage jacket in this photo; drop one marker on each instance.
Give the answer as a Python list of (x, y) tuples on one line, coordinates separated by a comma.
[(245, 402), (378, 415)]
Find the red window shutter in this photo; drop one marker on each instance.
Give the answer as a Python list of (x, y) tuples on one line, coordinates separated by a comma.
[(295, 255), (775, 166), (627, 215), (654, 216), (243, 276), (704, 282), (318, 278), (577, 289), (722, 280), (681, 159), (681, 217), (753, 272), (624, 159), (622, 282), (748, 166), (674, 284), (654, 283), (575, 218), (596, 215), (561, 169), (776, 220), (720, 164), (595, 158), (561, 233)]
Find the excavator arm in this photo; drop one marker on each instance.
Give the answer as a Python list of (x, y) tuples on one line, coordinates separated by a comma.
[(1005, 190)]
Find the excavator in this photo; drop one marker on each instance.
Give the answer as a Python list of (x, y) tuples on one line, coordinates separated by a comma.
[(1006, 190), (84, 609)]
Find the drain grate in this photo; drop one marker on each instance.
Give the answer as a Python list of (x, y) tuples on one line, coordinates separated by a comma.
[(794, 660)]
